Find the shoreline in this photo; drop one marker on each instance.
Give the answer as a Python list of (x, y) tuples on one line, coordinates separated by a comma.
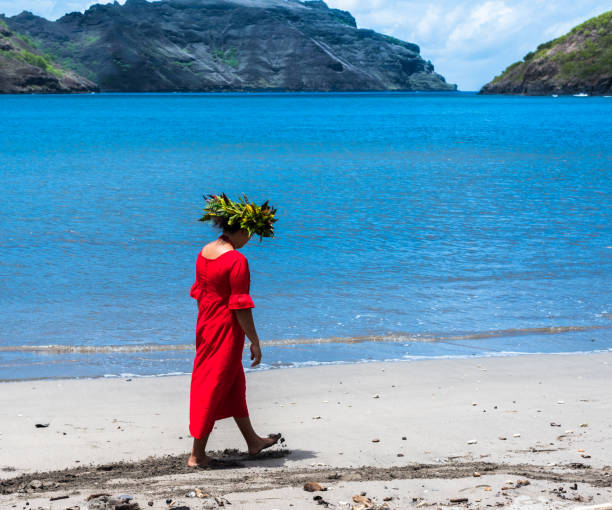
[(311, 364), (553, 412)]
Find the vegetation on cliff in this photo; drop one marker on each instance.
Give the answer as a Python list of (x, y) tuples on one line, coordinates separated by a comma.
[(577, 62), (25, 68)]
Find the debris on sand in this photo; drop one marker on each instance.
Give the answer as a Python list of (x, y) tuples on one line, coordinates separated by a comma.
[(106, 502), (314, 487), (321, 501), (362, 502), (97, 495), (198, 493), (36, 484)]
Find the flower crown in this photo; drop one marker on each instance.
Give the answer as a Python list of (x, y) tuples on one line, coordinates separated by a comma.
[(257, 219)]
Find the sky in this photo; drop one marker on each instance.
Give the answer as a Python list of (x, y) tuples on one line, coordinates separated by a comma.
[(468, 41)]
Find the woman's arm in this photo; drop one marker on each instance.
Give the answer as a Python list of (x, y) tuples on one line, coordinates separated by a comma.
[(245, 319)]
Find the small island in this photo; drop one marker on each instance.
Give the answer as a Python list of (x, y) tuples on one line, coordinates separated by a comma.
[(579, 62)]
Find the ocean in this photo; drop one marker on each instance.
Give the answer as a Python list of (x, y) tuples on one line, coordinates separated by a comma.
[(411, 226)]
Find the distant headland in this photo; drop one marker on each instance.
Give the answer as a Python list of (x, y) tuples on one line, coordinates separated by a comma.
[(580, 62)]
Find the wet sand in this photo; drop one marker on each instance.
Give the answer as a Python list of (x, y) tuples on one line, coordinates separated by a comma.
[(415, 432)]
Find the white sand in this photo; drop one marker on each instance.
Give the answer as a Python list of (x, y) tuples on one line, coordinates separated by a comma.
[(329, 417)]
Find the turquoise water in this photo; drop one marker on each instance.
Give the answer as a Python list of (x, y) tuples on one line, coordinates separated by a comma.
[(422, 225)]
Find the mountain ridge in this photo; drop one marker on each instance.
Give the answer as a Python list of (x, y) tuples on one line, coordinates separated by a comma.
[(228, 45)]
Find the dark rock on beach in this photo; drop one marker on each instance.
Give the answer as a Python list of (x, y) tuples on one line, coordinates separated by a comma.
[(228, 45), (578, 62)]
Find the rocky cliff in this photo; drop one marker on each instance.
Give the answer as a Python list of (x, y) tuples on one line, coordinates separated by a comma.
[(229, 45), (578, 62), (23, 68)]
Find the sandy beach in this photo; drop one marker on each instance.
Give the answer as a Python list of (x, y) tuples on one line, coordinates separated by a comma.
[(519, 432)]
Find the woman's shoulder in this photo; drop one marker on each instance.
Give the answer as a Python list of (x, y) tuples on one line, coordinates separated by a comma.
[(237, 256)]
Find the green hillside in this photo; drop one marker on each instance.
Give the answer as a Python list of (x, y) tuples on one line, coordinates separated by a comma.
[(25, 68), (579, 61)]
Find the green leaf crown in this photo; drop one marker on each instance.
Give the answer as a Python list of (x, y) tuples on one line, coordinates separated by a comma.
[(257, 219)]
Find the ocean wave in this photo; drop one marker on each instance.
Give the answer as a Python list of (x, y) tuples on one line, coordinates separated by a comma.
[(388, 338)]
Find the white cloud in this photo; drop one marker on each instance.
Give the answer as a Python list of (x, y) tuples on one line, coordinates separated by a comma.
[(469, 41), (484, 21)]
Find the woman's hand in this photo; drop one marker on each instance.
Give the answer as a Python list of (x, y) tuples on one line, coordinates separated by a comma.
[(255, 354), (245, 319)]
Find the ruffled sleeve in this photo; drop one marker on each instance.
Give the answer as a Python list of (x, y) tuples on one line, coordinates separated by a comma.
[(240, 281), (196, 290)]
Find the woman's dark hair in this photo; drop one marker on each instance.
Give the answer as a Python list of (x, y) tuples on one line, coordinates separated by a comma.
[(222, 223)]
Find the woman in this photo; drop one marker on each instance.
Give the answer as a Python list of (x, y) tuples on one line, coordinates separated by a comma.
[(218, 386)]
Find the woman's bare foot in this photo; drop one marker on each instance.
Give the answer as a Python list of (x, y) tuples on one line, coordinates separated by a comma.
[(199, 462), (262, 443), (198, 457)]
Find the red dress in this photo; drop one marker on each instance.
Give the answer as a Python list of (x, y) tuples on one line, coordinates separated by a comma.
[(218, 386)]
